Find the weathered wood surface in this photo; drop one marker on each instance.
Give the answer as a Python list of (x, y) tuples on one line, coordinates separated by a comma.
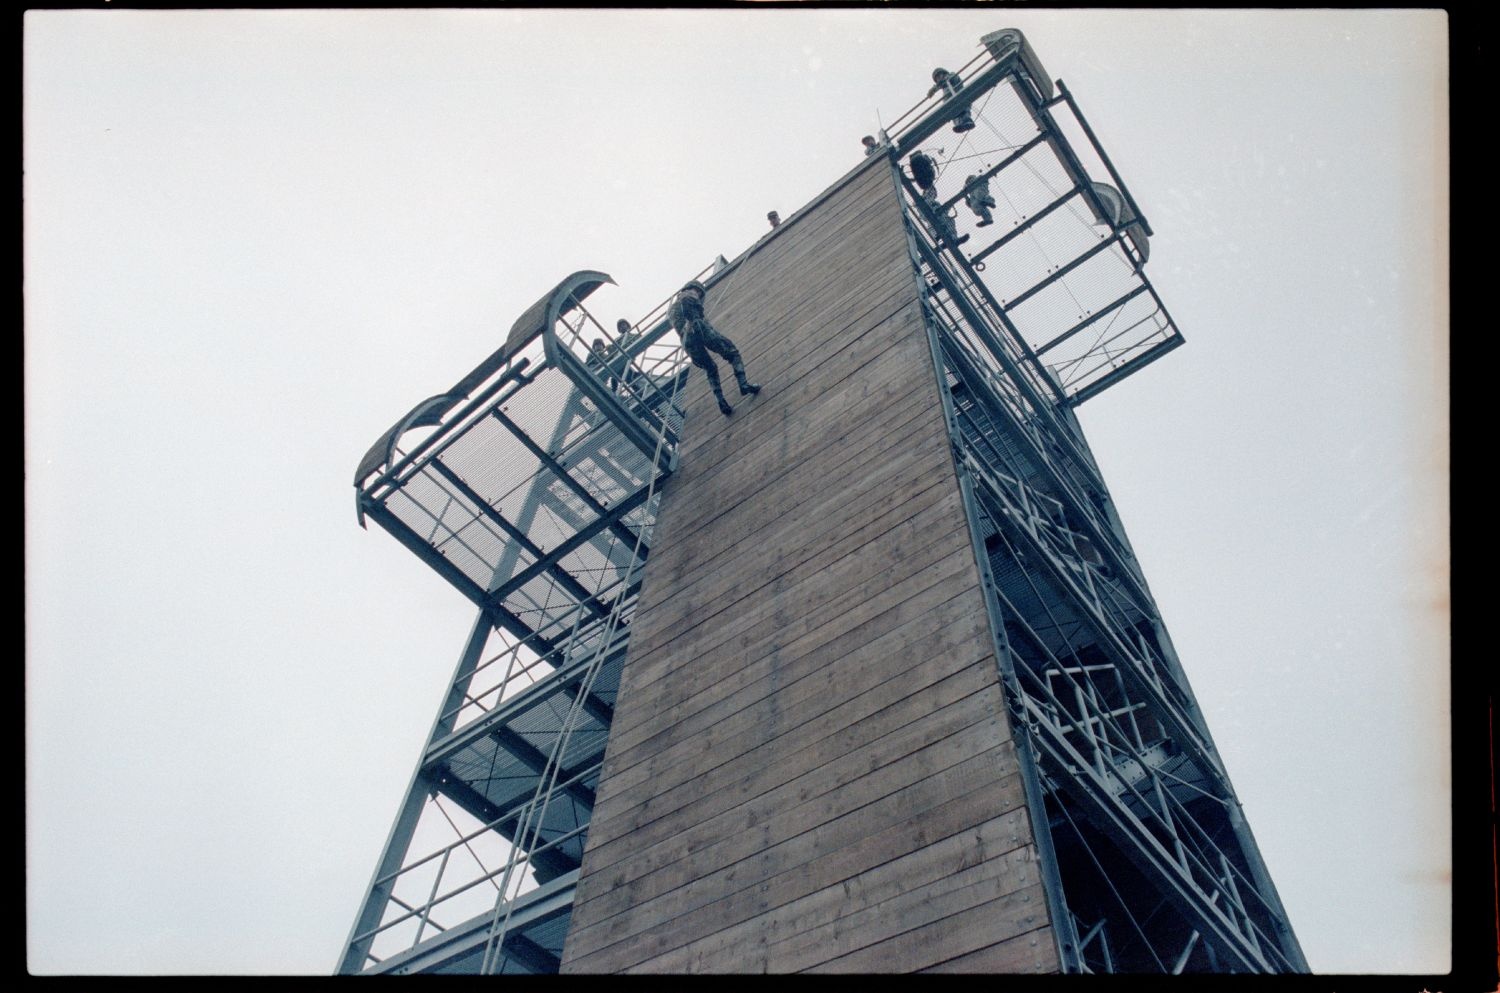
[(810, 766)]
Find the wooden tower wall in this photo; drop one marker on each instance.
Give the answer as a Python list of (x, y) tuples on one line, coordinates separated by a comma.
[(810, 765)]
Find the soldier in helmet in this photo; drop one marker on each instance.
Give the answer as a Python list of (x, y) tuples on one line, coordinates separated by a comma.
[(947, 230), (620, 364), (598, 361), (979, 198), (950, 83), (924, 171), (699, 338)]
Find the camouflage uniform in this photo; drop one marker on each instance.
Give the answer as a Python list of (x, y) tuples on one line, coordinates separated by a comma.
[(924, 172), (950, 83), (947, 231), (977, 195), (699, 338)]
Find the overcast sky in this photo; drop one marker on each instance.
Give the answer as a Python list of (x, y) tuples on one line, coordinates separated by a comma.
[(255, 239)]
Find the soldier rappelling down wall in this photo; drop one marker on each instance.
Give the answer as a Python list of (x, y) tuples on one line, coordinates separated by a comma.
[(979, 198), (699, 338)]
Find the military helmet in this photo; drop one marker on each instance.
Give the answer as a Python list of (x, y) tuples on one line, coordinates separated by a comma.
[(695, 285)]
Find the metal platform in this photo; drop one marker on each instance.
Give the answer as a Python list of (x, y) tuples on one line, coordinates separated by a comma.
[(531, 486), (1061, 266)]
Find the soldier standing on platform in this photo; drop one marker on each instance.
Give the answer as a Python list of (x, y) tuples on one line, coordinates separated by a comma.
[(924, 171), (624, 336), (947, 231), (699, 338), (950, 83)]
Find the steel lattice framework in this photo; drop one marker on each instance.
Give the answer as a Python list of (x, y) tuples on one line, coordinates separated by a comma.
[(1151, 866), (532, 487), (533, 494)]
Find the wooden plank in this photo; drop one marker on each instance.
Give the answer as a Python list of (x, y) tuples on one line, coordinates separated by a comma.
[(970, 929), (837, 596), (712, 532), (653, 765), (924, 580), (859, 200), (798, 282), (903, 759), (864, 460), (747, 943), (678, 897), (806, 351), (697, 698), (736, 549), (709, 614), (825, 441), (824, 749), (792, 270), (913, 905), (806, 722), (795, 342), (780, 348), (796, 599), (809, 419), (928, 818), (813, 686), (1034, 952)]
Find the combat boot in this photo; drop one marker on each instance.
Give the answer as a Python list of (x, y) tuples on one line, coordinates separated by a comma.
[(747, 388)]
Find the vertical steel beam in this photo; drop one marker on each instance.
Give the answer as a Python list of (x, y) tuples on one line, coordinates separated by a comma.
[(1064, 936), (378, 894), (1103, 156)]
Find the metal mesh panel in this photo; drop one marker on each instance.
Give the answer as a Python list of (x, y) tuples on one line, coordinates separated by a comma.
[(1087, 288), (543, 606), (1054, 620), (1114, 339), (546, 465), (550, 934), (537, 501), (495, 464), (494, 769), (1008, 113), (496, 774), (1066, 278), (547, 935), (1046, 246), (450, 523)]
